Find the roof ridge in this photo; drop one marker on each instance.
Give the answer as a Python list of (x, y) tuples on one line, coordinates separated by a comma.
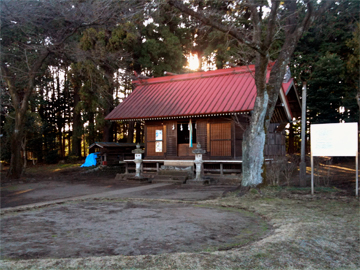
[(196, 75)]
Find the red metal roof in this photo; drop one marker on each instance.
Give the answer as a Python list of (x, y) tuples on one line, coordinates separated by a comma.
[(218, 92)]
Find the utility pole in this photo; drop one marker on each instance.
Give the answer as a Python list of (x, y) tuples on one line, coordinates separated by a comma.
[(303, 137)]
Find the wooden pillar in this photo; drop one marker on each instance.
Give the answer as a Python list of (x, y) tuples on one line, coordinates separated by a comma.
[(291, 149)]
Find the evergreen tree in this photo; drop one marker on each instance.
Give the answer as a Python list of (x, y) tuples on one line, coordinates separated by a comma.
[(326, 90), (353, 67), (31, 32), (321, 59)]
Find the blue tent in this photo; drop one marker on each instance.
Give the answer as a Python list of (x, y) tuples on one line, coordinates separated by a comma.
[(90, 160)]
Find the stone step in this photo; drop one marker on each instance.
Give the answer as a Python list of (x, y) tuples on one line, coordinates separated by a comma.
[(186, 171), (168, 180), (172, 177)]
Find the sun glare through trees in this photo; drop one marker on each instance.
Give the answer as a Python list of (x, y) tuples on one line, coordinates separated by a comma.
[(193, 62)]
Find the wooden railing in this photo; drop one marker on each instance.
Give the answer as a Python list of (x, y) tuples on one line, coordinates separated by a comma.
[(159, 162)]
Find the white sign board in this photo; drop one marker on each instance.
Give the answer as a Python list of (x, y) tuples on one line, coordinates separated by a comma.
[(334, 140), (158, 147), (158, 135)]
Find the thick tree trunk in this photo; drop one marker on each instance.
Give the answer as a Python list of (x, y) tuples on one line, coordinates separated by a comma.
[(60, 139), (16, 166), (91, 135), (108, 131), (138, 130), (109, 101), (16, 162), (64, 145), (23, 147), (77, 126), (253, 144), (130, 137)]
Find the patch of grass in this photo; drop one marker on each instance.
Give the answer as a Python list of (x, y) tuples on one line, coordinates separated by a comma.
[(317, 189), (239, 243), (269, 199), (230, 209), (12, 188), (275, 188), (264, 227), (262, 255), (46, 169)]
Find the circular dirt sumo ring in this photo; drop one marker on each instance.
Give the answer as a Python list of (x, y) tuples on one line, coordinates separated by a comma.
[(99, 228)]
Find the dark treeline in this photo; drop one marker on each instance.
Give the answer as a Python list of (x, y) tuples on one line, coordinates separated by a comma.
[(62, 74)]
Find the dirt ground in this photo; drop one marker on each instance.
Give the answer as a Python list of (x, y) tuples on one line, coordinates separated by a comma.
[(114, 226), (102, 228), (31, 191), (42, 191), (181, 227), (47, 182)]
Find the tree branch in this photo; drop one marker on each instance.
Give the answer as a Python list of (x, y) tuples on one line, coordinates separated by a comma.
[(311, 15), (293, 35), (271, 26), (255, 17), (236, 33), (11, 84), (32, 75)]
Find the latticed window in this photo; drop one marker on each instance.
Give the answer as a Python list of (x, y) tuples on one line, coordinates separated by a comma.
[(220, 139)]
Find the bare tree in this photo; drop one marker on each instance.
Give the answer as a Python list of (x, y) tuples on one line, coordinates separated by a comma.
[(31, 32), (269, 23)]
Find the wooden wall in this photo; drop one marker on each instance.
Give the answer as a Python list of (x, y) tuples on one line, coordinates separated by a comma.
[(202, 132), (150, 140), (171, 139), (275, 142), (222, 137), (240, 124)]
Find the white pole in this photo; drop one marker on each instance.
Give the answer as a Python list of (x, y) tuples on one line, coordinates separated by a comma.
[(357, 174), (312, 174), (303, 137)]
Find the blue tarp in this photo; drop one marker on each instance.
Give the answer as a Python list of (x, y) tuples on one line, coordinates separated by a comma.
[(90, 160)]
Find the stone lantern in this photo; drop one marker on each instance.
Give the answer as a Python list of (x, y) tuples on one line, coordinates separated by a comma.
[(198, 161), (138, 160)]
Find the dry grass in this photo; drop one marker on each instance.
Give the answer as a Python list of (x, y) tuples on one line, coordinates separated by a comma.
[(40, 169), (320, 232)]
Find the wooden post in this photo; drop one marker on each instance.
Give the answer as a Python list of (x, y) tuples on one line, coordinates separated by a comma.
[(312, 174), (357, 174), (221, 169)]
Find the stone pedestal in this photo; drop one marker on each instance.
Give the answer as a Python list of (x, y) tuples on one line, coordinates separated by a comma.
[(199, 161), (138, 160)]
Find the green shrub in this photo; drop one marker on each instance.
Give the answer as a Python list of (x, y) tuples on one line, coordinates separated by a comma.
[(72, 159)]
